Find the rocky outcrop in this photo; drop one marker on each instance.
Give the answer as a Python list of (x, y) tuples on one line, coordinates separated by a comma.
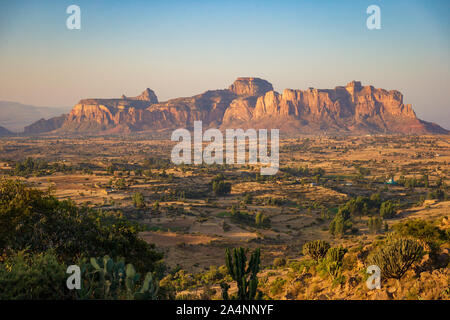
[(148, 95), (252, 102), (250, 87)]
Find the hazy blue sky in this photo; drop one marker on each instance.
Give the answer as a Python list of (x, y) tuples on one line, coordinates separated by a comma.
[(181, 48)]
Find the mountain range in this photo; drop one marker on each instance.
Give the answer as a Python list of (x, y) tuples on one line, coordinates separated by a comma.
[(4, 132), (248, 103), (15, 116)]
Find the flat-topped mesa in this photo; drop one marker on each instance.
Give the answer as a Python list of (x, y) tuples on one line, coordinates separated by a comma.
[(251, 103), (145, 99), (248, 86)]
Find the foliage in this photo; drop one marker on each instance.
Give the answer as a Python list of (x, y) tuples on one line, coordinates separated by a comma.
[(341, 222), (245, 275), (438, 194), (261, 220), (219, 186), (138, 200), (39, 167), (279, 262), (387, 210), (276, 287), (427, 232), (316, 249), (334, 260), (36, 220), (422, 230), (375, 224), (396, 257), (106, 279), (25, 275)]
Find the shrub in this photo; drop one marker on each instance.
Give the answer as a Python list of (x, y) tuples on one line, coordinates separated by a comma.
[(276, 287), (316, 249), (336, 254), (426, 231), (341, 222), (387, 210), (219, 186), (106, 279), (262, 220), (375, 224), (438, 194), (279, 262), (396, 257), (33, 276), (138, 200), (333, 261), (36, 220)]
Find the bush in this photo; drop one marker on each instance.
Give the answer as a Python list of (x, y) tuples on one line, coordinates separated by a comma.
[(261, 220), (279, 262), (38, 221), (108, 280), (396, 257), (33, 276), (138, 200), (277, 286), (219, 186), (332, 263), (375, 224), (422, 230), (387, 210), (316, 249), (336, 254), (430, 235), (341, 222)]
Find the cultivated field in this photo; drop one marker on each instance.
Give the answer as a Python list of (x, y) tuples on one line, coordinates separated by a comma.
[(192, 223)]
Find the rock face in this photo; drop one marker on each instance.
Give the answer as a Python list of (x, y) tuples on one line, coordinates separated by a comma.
[(252, 103), (250, 87), (350, 108)]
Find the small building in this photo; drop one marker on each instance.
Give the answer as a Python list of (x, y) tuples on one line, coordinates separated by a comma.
[(391, 181)]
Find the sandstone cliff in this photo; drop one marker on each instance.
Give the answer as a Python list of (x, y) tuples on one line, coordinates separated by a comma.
[(252, 102)]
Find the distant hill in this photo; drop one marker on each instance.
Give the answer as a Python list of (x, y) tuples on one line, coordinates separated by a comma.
[(249, 103), (15, 116), (4, 132), (44, 125)]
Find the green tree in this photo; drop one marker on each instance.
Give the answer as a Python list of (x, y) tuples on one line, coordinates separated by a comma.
[(138, 200), (244, 274), (34, 220), (387, 210)]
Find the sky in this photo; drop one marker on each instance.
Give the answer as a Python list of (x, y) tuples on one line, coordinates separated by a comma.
[(182, 48)]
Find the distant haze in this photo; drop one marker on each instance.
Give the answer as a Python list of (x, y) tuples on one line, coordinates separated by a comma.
[(15, 116), (179, 48)]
